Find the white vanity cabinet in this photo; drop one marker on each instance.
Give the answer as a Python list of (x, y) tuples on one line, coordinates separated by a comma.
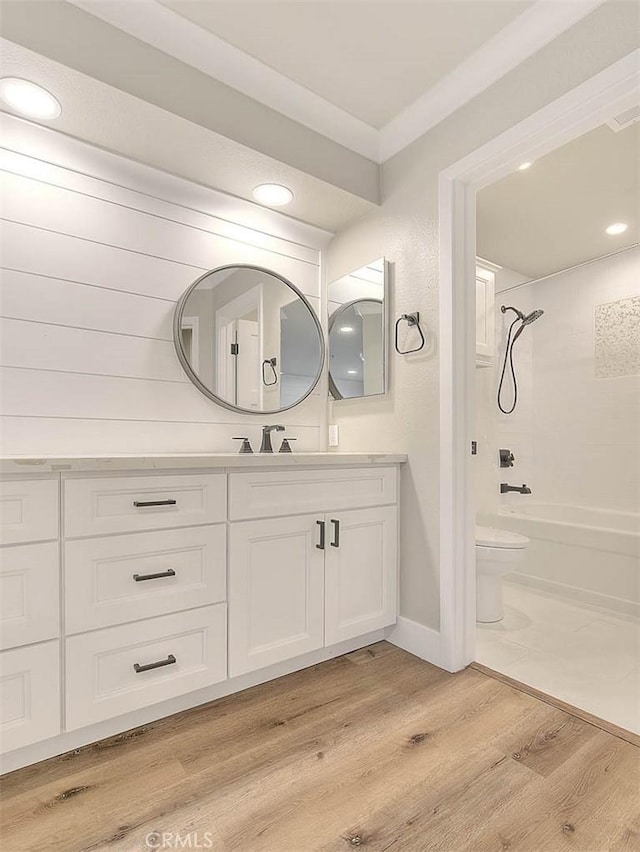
[(127, 595), (29, 612), (301, 582)]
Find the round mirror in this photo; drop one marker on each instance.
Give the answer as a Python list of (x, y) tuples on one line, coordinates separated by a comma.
[(356, 344), (248, 339)]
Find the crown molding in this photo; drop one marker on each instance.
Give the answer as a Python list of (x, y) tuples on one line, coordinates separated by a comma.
[(176, 36), (166, 30), (519, 40)]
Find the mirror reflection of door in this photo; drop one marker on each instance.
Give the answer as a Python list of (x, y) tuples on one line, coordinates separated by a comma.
[(238, 322)]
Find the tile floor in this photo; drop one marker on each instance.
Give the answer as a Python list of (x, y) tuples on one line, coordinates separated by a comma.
[(586, 656)]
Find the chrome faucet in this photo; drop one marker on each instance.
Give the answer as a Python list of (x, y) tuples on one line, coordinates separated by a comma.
[(520, 489), (265, 446)]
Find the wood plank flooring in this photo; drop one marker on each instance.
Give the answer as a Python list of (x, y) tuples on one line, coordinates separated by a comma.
[(376, 750)]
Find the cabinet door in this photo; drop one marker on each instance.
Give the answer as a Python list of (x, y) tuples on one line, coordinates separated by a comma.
[(29, 695), (485, 317), (361, 572), (276, 591), (28, 510), (29, 594)]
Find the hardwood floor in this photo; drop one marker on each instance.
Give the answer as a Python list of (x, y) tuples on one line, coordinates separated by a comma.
[(376, 750)]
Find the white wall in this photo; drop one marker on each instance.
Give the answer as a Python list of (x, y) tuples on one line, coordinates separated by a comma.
[(405, 230), (95, 253), (586, 428), (575, 432)]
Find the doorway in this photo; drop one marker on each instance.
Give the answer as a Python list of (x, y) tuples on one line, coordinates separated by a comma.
[(557, 470), (607, 94)]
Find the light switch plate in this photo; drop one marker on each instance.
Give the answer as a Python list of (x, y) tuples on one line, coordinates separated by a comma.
[(334, 439)]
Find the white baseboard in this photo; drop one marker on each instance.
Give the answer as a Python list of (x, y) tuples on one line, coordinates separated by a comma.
[(417, 639)]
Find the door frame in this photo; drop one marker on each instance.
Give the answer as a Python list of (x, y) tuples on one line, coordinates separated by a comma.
[(582, 109)]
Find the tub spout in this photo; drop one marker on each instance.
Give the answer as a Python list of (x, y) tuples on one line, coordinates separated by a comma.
[(520, 489)]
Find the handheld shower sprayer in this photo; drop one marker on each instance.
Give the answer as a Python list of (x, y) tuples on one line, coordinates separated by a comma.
[(532, 317), (523, 320)]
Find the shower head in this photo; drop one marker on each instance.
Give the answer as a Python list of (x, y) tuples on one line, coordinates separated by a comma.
[(525, 320), (532, 317)]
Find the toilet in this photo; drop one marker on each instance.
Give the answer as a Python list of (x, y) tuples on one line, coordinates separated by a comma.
[(498, 552)]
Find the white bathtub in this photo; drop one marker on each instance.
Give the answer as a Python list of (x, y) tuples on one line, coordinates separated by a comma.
[(590, 554)]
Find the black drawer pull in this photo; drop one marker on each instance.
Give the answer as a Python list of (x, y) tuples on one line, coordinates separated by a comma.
[(168, 573), (147, 668), (139, 504), (336, 533), (321, 525)]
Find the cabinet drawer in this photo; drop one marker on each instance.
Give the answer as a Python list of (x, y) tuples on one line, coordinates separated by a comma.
[(29, 597), (101, 676), (272, 493), (115, 579), (28, 510), (29, 695), (132, 503)]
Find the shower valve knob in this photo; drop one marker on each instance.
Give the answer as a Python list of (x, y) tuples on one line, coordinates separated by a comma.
[(507, 458)]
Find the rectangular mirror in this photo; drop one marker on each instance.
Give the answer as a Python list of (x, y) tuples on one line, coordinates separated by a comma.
[(358, 305)]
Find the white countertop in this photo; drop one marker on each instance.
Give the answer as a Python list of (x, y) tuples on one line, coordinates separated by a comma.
[(167, 461)]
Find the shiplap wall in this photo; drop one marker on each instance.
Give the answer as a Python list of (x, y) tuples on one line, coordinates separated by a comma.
[(95, 252)]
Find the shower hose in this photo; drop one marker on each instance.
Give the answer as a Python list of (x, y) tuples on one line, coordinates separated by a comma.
[(508, 357)]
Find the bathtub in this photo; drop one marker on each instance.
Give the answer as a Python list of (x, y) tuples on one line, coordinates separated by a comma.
[(589, 554)]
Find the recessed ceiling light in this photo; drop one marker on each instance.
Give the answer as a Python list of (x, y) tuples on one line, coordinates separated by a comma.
[(346, 329), (273, 194), (28, 98), (616, 228), (524, 166), (352, 372)]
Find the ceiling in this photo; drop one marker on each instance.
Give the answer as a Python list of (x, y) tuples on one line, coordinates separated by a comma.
[(311, 93), (370, 59), (369, 75), (553, 215)]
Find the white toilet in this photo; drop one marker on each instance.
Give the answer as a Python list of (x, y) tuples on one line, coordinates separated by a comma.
[(497, 553)]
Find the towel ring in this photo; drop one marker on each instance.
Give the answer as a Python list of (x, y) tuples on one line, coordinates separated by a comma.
[(413, 321), (271, 363)]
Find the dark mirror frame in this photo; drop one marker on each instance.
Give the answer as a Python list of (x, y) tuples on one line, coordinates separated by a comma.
[(193, 376)]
